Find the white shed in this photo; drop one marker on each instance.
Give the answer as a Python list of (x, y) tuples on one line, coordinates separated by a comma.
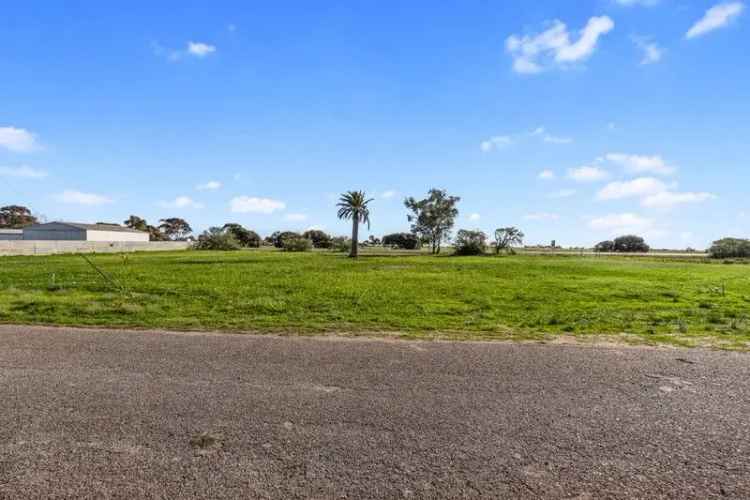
[(73, 231)]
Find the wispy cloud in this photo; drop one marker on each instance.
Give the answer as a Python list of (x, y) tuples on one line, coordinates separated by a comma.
[(209, 186), (652, 193), (496, 142), (474, 217), (563, 193), (716, 17), (252, 204), (200, 49), (643, 186), (547, 137), (546, 175), (181, 202), (587, 173), (22, 171), (553, 47), (79, 198), (197, 50), (652, 53), (17, 140), (387, 195), (670, 199), (639, 164)]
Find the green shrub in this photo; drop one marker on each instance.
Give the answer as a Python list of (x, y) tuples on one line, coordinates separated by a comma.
[(320, 239), (215, 238), (405, 241), (278, 237), (297, 244), (470, 242), (340, 244), (245, 237), (630, 243), (726, 248), (605, 246)]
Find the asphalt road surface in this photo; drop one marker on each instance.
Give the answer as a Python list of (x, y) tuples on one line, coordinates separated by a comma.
[(105, 414)]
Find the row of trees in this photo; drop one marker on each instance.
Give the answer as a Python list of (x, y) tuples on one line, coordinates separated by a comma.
[(173, 228), (432, 220)]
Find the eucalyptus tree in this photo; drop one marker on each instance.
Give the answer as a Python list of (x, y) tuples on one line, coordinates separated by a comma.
[(433, 217), (507, 237), (175, 228), (135, 222), (16, 217)]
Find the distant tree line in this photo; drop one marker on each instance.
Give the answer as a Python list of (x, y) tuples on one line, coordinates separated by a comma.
[(432, 221)]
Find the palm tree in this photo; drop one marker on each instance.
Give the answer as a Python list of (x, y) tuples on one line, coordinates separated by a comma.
[(353, 205)]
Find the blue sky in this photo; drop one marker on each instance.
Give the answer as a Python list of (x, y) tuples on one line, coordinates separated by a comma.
[(575, 121)]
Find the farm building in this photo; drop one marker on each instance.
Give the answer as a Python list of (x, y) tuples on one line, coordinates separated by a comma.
[(11, 234), (72, 231)]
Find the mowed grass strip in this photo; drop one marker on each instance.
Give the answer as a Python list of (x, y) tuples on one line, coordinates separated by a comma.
[(654, 300)]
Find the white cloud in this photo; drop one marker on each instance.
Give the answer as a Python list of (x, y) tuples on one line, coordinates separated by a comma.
[(497, 142), (389, 194), (17, 140), (295, 217), (251, 204), (638, 164), (79, 198), (547, 137), (181, 202), (541, 216), (209, 186), (200, 49), (563, 193), (621, 223), (716, 17), (652, 53), (546, 175), (643, 186), (587, 173), (669, 199), (474, 217), (554, 46), (193, 49), (23, 171)]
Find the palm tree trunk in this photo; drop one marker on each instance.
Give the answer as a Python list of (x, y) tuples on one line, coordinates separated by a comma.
[(355, 237)]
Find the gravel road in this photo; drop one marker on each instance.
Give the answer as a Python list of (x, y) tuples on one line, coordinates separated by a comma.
[(124, 414)]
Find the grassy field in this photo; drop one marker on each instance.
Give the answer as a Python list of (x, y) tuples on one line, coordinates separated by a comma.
[(418, 296)]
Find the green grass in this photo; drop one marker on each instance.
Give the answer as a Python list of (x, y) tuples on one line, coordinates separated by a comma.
[(653, 300)]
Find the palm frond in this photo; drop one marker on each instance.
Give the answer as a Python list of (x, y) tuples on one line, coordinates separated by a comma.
[(353, 204)]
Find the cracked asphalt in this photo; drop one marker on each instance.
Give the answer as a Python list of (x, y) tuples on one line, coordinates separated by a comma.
[(136, 414)]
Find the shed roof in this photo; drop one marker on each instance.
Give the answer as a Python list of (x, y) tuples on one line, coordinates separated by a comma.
[(88, 227)]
